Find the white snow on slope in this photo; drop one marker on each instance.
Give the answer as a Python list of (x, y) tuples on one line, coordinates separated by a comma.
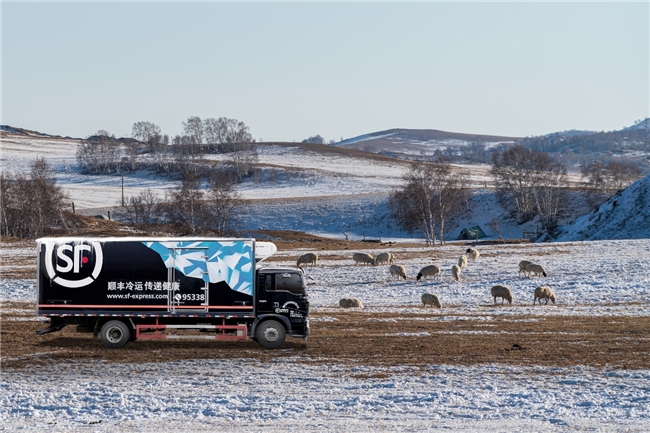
[(626, 215)]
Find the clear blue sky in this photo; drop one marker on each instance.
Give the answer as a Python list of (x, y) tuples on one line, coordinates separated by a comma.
[(292, 70)]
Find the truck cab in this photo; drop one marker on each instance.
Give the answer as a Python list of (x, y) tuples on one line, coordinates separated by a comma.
[(281, 296)]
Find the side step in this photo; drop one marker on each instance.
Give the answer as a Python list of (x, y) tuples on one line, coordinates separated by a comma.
[(241, 332)]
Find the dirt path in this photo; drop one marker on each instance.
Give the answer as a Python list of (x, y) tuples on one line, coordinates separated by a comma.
[(353, 338)]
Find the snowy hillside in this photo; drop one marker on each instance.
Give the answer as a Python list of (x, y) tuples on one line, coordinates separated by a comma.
[(626, 215), (416, 141)]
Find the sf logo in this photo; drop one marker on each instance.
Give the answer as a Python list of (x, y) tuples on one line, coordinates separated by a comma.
[(66, 259)]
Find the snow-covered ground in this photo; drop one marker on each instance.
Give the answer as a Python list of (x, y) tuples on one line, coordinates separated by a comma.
[(245, 395), (600, 278)]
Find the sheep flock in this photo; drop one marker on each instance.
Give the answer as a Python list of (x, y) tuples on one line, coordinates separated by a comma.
[(434, 271)]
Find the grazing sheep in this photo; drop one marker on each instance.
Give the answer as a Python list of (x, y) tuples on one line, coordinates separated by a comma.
[(430, 299), (363, 258), (397, 271), (307, 259), (429, 271), (384, 258), (522, 266), (473, 253), (350, 303), (455, 272), (543, 292), (503, 292), (535, 269), (462, 261)]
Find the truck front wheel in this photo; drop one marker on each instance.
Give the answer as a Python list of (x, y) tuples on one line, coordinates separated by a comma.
[(270, 334), (115, 334)]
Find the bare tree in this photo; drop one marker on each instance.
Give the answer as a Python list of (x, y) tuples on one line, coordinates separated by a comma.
[(145, 210), (32, 205), (100, 154), (186, 206), (549, 190), (513, 175), (530, 182), (432, 195), (146, 132), (605, 179), (232, 137), (224, 204), (193, 129)]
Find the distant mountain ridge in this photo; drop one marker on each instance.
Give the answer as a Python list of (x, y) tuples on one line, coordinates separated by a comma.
[(632, 142), (416, 141)]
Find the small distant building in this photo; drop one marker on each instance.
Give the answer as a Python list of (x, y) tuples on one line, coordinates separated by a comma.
[(471, 233)]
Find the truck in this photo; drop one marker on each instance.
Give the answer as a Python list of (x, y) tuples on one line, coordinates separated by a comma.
[(124, 289)]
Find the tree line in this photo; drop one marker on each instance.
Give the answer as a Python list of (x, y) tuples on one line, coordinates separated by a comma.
[(149, 149), (33, 205), (529, 184)]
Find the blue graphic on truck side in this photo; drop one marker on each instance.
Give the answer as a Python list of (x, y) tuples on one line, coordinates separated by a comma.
[(210, 261)]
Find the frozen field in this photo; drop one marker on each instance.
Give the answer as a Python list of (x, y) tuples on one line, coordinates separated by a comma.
[(296, 393)]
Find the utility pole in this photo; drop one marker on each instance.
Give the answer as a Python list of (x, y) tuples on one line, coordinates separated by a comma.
[(122, 191)]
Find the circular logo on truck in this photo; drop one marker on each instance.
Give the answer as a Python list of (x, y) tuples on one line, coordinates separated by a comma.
[(73, 265)]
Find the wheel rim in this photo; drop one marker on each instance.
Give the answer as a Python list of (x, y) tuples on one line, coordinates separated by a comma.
[(271, 334), (114, 334)]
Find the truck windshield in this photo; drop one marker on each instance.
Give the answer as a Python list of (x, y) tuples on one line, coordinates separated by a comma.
[(294, 283)]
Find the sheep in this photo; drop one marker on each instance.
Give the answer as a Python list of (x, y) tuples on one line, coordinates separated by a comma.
[(503, 292), (430, 299), (307, 259), (455, 272), (384, 258), (429, 271), (397, 271), (363, 258), (522, 266), (350, 303), (543, 292), (462, 261), (535, 269), (473, 253)]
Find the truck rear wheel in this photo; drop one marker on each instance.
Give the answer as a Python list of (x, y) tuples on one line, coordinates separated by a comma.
[(270, 334), (115, 334)]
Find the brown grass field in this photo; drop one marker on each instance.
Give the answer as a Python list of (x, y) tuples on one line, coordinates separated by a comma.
[(353, 338)]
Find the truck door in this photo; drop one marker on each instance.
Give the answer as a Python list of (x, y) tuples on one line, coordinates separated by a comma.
[(187, 280)]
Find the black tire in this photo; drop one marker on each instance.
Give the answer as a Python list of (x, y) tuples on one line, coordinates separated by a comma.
[(115, 334), (270, 334)]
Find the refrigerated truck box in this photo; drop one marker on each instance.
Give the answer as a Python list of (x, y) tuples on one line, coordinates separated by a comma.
[(122, 289)]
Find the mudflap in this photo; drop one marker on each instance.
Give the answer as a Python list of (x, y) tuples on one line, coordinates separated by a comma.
[(55, 325)]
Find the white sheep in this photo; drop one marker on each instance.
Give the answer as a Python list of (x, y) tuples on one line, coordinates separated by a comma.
[(350, 303), (384, 258), (535, 269), (429, 299), (543, 292), (307, 259), (455, 272), (363, 258), (522, 266), (462, 261), (397, 271), (429, 271), (473, 253), (503, 292)]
